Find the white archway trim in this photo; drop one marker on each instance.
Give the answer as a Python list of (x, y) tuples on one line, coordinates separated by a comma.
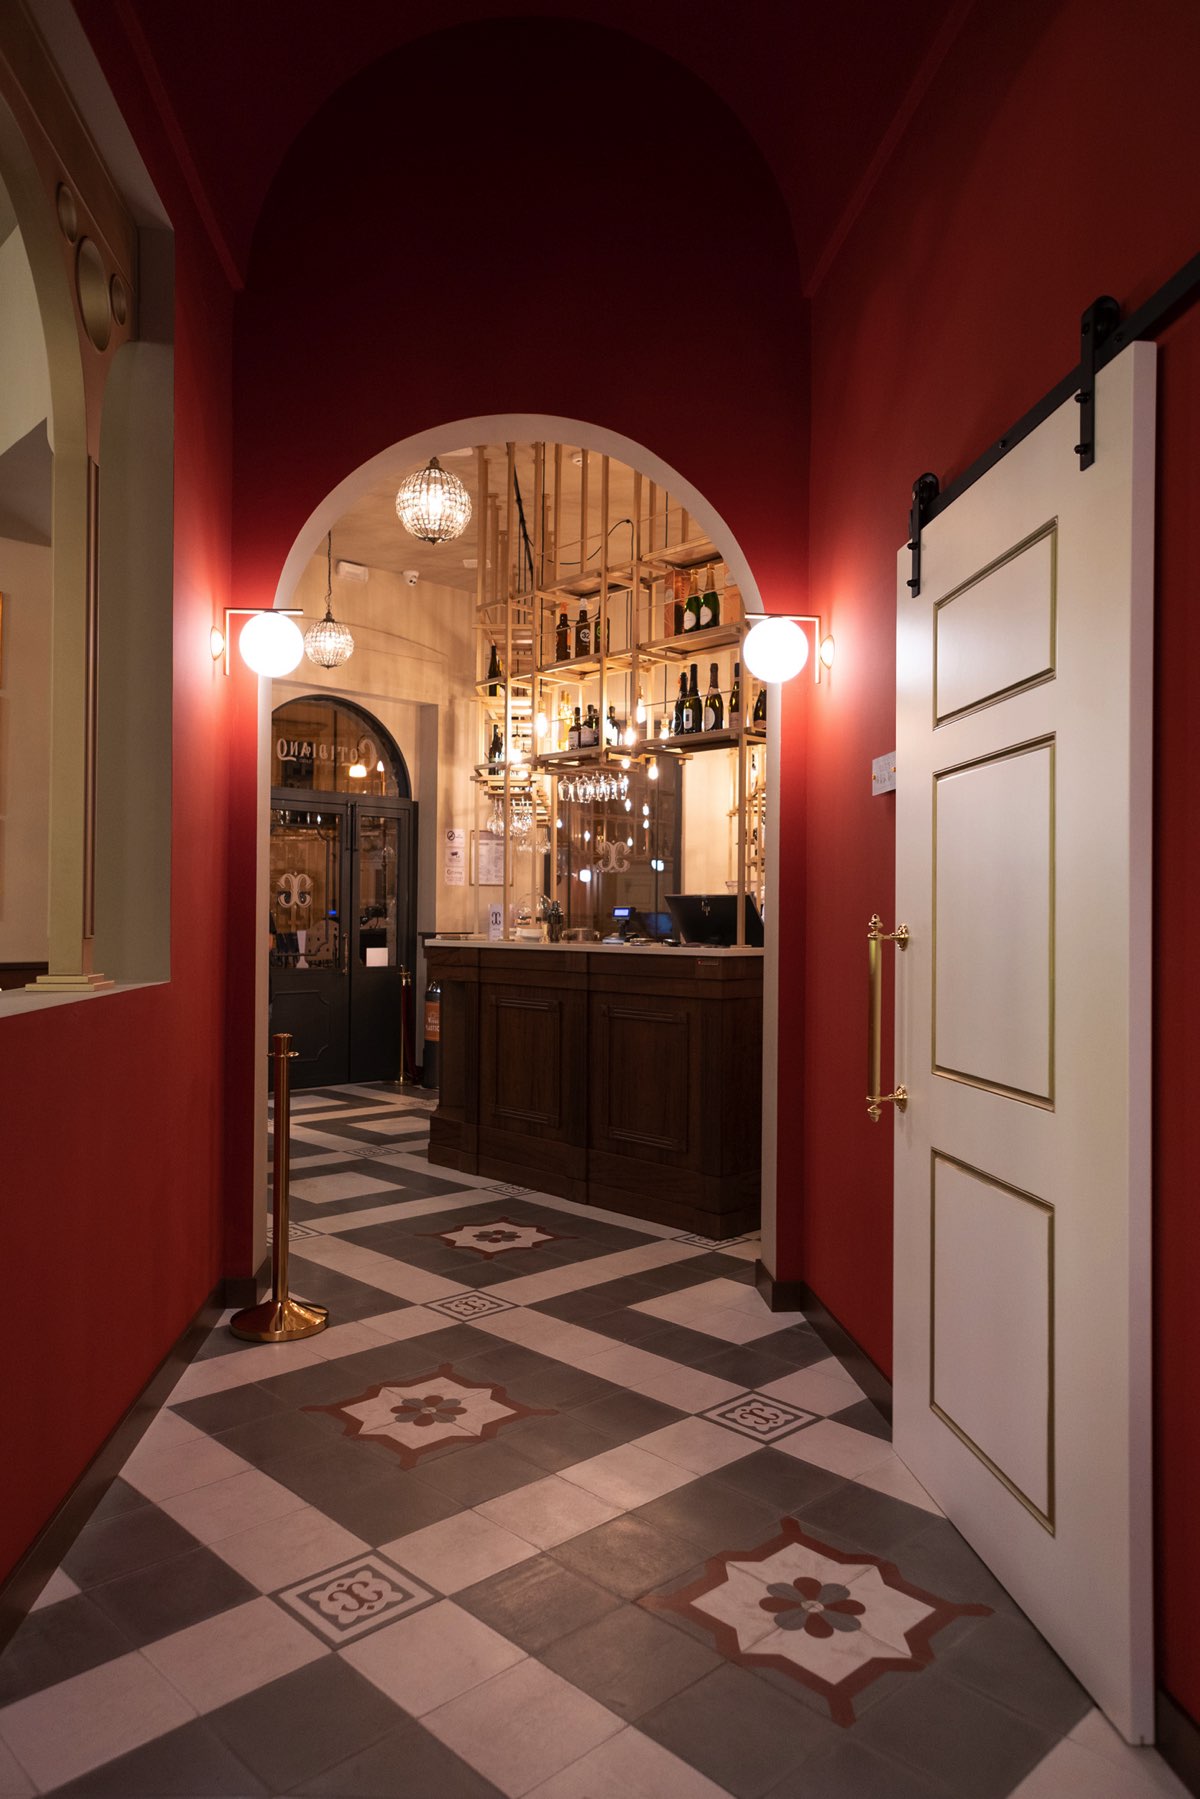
[(513, 427)]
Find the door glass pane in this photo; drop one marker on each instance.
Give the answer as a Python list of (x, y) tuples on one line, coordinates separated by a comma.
[(377, 857), (326, 748), (306, 924)]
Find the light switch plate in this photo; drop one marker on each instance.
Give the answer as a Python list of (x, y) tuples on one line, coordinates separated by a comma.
[(883, 773)]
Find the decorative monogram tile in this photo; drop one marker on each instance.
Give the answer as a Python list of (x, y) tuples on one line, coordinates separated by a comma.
[(496, 1236), (758, 1415), (414, 1416), (834, 1622), (506, 1188), (715, 1242), (347, 1602), (469, 1305), (295, 1231)]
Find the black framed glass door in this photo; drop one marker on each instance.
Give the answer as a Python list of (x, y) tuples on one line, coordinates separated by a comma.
[(382, 935)]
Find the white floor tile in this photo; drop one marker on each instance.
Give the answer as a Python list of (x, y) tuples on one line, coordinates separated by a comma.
[(431, 1657), (522, 1727), (688, 1389), (59, 1586), (233, 1653), (697, 1445), (408, 1321), (835, 1446), (570, 1277), (284, 1550), (898, 1482), (322, 1189), (1094, 1732), (458, 1551), (228, 1506), (1072, 1772), (347, 1339), (14, 1782), (166, 1430), (627, 1475), (68, 1729), (216, 1374), (549, 1511), (823, 1387), (162, 1473), (383, 1272), (628, 1766)]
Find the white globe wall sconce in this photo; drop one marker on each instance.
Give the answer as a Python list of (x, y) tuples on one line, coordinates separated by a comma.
[(776, 649), (270, 644)]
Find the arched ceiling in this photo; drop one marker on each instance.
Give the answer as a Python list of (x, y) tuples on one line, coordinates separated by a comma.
[(817, 86)]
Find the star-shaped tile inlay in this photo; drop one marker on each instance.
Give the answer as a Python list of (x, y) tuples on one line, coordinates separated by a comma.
[(832, 1621), (414, 1416), (495, 1236)]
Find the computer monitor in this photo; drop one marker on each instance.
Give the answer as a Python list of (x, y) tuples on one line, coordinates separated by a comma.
[(711, 918)]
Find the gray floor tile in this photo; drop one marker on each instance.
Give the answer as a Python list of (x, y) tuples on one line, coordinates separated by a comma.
[(751, 1366), (223, 1411), (562, 1387), (779, 1480), (1006, 1658), (375, 1502), (712, 1516), (556, 1442), (57, 1642), (954, 1735), (297, 1727), (282, 1432), (799, 1346), (940, 1561), (156, 1601), (629, 1555), (113, 1546), (856, 1517), (120, 1497), (865, 1416), (623, 1416), (537, 1602), (189, 1763), (589, 1303), (478, 1472), (845, 1770), (628, 1326), (738, 1731), (630, 1661), (408, 1763)]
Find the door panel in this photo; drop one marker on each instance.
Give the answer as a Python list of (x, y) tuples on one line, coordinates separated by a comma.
[(307, 964), (1022, 1200), (380, 937)]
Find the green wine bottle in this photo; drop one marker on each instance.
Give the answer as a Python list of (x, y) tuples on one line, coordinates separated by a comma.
[(714, 705), (710, 602), (693, 712)]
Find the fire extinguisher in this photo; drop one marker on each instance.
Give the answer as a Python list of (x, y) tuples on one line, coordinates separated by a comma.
[(433, 1034)]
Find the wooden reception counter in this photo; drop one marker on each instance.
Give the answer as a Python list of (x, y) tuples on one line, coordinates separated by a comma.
[(628, 1077)]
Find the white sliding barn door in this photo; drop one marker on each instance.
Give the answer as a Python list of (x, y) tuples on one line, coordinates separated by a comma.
[(1022, 1262)]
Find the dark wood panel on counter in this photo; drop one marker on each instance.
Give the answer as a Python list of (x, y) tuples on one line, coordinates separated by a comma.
[(632, 1082)]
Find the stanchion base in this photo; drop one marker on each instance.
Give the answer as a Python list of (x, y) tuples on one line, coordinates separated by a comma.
[(278, 1321)]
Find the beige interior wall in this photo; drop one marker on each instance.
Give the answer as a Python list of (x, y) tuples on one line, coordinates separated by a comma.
[(413, 667), (24, 372), (25, 584)]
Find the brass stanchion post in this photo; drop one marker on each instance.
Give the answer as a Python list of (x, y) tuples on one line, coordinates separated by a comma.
[(406, 1077), (280, 1318)]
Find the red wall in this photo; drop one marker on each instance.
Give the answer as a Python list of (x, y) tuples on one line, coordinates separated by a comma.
[(112, 1109), (1053, 159)]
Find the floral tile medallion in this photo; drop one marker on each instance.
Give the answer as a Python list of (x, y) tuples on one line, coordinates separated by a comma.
[(346, 1602), (466, 1306), (414, 1416), (759, 1416), (496, 1236), (831, 1620)]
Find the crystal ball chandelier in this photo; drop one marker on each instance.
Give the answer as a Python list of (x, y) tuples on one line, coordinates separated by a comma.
[(328, 643), (433, 504)]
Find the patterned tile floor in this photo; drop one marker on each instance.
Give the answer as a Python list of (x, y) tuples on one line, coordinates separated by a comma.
[(554, 1507)]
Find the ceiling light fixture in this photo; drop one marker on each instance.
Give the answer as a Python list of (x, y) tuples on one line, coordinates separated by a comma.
[(433, 504), (327, 643)]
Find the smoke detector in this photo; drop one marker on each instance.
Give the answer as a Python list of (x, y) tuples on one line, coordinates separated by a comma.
[(350, 571)]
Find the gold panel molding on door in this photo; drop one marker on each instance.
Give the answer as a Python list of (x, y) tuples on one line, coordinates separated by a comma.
[(876, 935)]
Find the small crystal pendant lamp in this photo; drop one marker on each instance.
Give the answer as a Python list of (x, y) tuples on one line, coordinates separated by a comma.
[(433, 504), (327, 643)]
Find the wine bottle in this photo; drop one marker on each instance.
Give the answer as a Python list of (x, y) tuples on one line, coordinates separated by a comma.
[(710, 602), (562, 639), (678, 725), (583, 634), (496, 746), (575, 732), (735, 696), (760, 707), (691, 611), (494, 676), (612, 730), (693, 706), (714, 705)]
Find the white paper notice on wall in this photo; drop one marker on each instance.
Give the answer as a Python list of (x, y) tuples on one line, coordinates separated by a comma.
[(883, 773), (454, 857), (495, 923)]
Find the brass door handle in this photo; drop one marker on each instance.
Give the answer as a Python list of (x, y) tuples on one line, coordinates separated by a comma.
[(876, 935)]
